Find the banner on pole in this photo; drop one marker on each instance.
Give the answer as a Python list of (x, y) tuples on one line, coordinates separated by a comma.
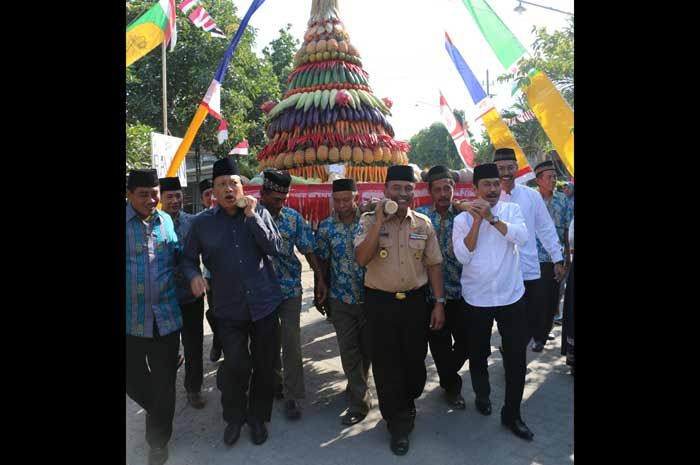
[(163, 150)]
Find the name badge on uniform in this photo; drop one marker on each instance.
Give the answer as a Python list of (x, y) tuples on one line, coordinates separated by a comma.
[(418, 236)]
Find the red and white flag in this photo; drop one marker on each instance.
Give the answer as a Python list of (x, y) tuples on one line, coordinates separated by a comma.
[(212, 102), (240, 149), (201, 18), (458, 134)]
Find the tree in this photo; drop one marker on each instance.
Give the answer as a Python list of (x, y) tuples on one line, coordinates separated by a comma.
[(138, 145), (250, 81), (280, 53), (553, 54), (434, 146)]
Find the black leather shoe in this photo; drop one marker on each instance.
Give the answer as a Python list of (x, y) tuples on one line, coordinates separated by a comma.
[(519, 428), (455, 400), (196, 400), (399, 445), (258, 432), (352, 418), (232, 433), (483, 406), (292, 411), (551, 337), (215, 354), (157, 455)]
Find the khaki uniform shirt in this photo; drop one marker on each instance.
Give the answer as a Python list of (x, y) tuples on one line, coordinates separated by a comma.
[(407, 249)]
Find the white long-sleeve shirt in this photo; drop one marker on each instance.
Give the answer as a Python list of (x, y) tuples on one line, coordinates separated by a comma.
[(539, 224), (491, 275)]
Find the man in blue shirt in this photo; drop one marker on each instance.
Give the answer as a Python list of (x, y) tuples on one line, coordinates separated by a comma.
[(334, 246), (192, 307), (294, 231), (153, 318), (234, 243), (561, 212), (448, 357)]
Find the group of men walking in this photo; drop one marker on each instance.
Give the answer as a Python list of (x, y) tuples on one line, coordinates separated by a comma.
[(394, 283)]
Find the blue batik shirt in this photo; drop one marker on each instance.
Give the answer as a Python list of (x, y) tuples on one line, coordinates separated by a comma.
[(295, 231), (152, 250), (451, 267), (561, 211), (334, 242)]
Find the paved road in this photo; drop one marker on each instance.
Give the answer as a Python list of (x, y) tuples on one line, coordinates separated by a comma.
[(442, 436)]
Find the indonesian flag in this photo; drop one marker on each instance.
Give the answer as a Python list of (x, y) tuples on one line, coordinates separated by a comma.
[(201, 18), (240, 149), (458, 134), (212, 102)]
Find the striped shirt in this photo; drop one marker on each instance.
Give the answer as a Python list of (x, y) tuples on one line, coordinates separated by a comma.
[(151, 253)]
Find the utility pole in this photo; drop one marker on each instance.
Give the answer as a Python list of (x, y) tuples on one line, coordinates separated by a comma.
[(165, 94)]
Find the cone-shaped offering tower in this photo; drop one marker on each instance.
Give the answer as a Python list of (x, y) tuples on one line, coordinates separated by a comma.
[(329, 114)]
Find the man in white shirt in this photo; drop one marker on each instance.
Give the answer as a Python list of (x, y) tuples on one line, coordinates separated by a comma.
[(540, 226), (486, 240)]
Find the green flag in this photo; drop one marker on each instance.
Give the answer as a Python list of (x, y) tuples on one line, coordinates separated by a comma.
[(503, 43)]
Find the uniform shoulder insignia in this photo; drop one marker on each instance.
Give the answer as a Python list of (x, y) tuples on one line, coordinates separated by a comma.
[(422, 216)]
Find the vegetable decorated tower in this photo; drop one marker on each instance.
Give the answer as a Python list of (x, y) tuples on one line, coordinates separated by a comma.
[(329, 114)]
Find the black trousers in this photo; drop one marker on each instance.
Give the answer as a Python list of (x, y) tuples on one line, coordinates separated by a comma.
[(550, 298), (399, 344), (534, 309), (151, 369), (216, 344), (193, 341), (567, 328), (449, 357), (512, 325), (249, 346)]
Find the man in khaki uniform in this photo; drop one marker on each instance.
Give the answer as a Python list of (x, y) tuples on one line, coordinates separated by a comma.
[(401, 254)]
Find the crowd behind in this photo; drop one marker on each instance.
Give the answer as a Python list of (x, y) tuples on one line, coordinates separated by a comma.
[(393, 281)]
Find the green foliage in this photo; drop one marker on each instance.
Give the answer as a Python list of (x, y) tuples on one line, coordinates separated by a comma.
[(248, 82), (138, 145), (553, 54), (280, 53), (434, 146)]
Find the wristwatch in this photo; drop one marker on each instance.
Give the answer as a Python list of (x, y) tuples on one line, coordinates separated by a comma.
[(440, 300), (494, 220)]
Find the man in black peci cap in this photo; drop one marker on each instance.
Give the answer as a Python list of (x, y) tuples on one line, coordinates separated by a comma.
[(540, 227), (235, 244), (449, 357), (346, 295), (192, 307), (295, 231), (487, 240), (153, 317), (401, 254)]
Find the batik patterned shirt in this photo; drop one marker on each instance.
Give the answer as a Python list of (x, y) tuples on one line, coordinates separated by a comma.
[(295, 231), (334, 243), (451, 268), (560, 210)]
